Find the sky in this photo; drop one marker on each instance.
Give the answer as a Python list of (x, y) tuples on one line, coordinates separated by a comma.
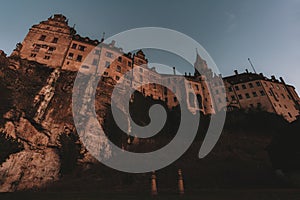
[(231, 31)]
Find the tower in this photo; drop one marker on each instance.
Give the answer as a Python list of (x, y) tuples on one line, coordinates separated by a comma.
[(201, 67), (48, 41)]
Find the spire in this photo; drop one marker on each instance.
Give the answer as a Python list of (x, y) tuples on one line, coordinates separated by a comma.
[(200, 65)]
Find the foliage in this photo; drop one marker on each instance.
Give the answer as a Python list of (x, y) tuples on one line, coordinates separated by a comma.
[(69, 152), (8, 146)]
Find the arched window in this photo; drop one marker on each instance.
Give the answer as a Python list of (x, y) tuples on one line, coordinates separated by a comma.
[(199, 99), (191, 100)]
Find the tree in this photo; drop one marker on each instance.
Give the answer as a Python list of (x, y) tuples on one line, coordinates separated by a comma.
[(8, 146)]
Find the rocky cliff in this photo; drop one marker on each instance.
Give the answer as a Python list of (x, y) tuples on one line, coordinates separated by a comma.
[(36, 109)]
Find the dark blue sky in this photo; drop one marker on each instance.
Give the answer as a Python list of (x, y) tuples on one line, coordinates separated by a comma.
[(267, 31)]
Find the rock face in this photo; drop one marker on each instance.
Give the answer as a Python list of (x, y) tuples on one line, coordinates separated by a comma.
[(36, 107), (29, 169)]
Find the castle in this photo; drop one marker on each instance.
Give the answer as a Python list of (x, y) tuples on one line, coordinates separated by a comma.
[(54, 43)]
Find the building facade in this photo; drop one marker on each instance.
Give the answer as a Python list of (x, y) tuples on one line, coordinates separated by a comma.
[(54, 43)]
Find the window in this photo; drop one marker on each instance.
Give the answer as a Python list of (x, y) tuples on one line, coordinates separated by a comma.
[(223, 90), (233, 98), (51, 49), (36, 49), (71, 55), (285, 106), (175, 99), (81, 48), (107, 64), (95, 62), (55, 40), (247, 95), (129, 63), (254, 94), (251, 105), (79, 58), (118, 68), (119, 59), (250, 85), (199, 99), (108, 54), (197, 87), (74, 46), (244, 86), (42, 38), (117, 78), (258, 83), (290, 115), (277, 87), (141, 70), (258, 105), (190, 85), (262, 93), (97, 52), (191, 99), (33, 55), (240, 96), (47, 57), (219, 100), (279, 105), (165, 90), (236, 87), (270, 93), (283, 96), (154, 86), (230, 89), (217, 91), (105, 73), (141, 78), (227, 100), (85, 67), (289, 97)]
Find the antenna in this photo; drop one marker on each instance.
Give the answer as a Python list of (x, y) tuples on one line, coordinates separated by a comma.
[(103, 35), (252, 65)]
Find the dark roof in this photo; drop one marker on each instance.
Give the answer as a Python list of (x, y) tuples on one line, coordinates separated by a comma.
[(243, 78), (87, 40)]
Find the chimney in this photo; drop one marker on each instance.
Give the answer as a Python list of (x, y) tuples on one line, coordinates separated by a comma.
[(185, 74), (174, 71), (236, 72), (220, 75), (113, 42), (273, 78), (189, 73), (281, 79), (261, 74), (247, 71)]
